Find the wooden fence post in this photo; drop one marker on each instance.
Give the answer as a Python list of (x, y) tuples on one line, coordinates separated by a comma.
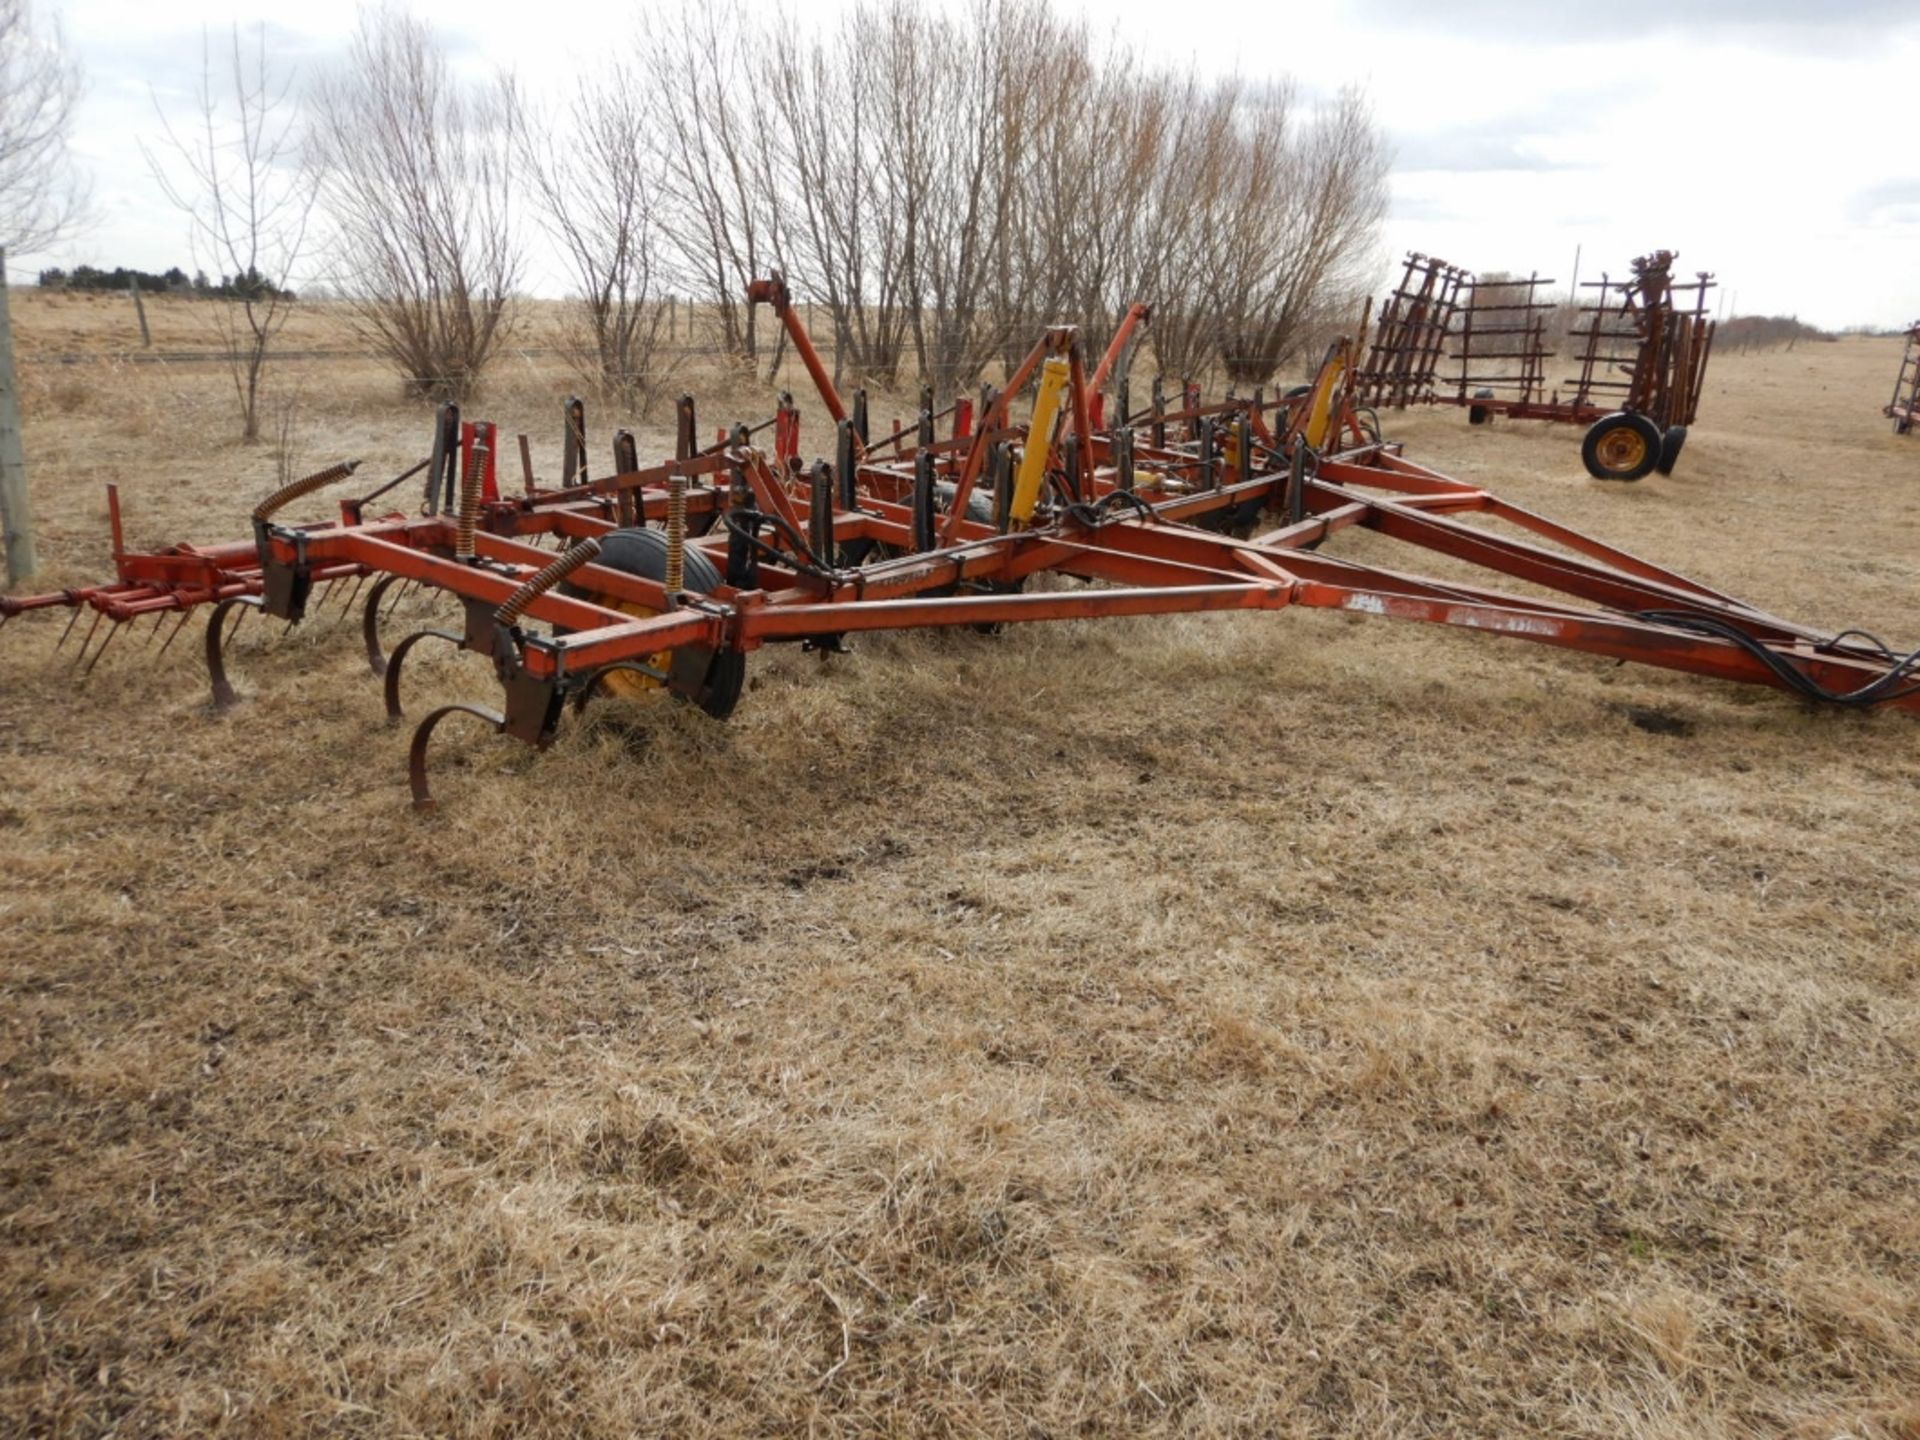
[(140, 309), (16, 514)]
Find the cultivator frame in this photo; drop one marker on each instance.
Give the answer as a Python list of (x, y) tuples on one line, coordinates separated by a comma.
[(1904, 408), (668, 575), (1641, 349)]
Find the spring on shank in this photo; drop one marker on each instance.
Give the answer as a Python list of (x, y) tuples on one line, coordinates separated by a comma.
[(294, 489), (544, 580), (676, 533), (470, 502)]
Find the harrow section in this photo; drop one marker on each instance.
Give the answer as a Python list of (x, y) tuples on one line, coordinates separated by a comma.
[(664, 578), (1639, 352), (1904, 408)]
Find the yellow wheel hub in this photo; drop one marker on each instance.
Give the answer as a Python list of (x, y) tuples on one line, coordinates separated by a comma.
[(631, 684), (1622, 448)]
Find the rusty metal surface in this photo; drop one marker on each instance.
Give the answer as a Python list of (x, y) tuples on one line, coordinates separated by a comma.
[(1638, 344)]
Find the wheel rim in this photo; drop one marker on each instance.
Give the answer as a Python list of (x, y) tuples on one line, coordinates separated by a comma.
[(1622, 448), (630, 684)]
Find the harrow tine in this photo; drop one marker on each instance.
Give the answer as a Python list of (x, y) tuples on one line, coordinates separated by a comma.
[(173, 634), (73, 621), (112, 631), (352, 595), (86, 643)]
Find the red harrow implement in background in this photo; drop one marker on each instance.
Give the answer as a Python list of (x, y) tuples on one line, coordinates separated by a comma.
[(669, 575), (1904, 408), (1639, 351)]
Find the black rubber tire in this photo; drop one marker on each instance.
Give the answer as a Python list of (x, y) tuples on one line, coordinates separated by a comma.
[(643, 553), (1610, 449), (1670, 446), (1480, 414), (1297, 391)]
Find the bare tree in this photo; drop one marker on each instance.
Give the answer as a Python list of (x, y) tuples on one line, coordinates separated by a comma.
[(1298, 227), (415, 174), (849, 234), (1200, 171), (41, 199), (714, 127), (948, 182), (964, 92), (236, 176), (600, 199), (1107, 215)]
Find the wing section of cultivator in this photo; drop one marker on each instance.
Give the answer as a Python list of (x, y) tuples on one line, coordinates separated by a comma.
[(1639, 354), (1904, 408), (660, 581)]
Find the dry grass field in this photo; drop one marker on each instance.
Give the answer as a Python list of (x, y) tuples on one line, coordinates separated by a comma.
[(1291, 1024)]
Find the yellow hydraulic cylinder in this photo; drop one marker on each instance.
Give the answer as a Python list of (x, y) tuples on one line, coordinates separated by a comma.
[(1033, 461), (1326, 385)]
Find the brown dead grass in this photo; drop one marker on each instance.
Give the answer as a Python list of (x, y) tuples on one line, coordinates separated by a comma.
[(1290, 1024)]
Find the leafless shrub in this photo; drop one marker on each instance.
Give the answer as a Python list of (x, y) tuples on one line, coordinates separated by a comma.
[(289, 437), (234, 175), (850, 230), (1767, 332), (415, 173), (1105, 219), (41, 199), (1295, 224), (948, 183), (601, 203), (702, 68), (1201, 152), (1243, 220)]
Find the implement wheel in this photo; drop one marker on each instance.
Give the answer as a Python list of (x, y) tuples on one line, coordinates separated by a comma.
[(711, 679), (1480, 414), (1621, 446), (1670, 444)]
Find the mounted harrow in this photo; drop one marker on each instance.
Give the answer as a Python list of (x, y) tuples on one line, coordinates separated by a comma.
[(1904, 408), (669, 575), (1640, 356)]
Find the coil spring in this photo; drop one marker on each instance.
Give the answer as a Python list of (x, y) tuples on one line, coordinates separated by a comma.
[(544, 580), (676, 533), (470, 502), (294, 489)]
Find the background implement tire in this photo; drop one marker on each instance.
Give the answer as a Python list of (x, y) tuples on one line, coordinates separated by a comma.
[(1670, 445), (711, 679), (1480, 414), (1621, 446)]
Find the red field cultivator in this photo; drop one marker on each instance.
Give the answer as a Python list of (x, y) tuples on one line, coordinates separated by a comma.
[(1639, 355), (669, 575), (1904, 408)]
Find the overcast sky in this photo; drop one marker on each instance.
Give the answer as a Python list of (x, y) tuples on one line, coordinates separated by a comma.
[(1766, 140)]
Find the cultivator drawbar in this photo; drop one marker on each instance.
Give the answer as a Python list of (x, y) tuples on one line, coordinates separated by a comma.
[(1904, 408), (668, 576), (1639, 353)]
